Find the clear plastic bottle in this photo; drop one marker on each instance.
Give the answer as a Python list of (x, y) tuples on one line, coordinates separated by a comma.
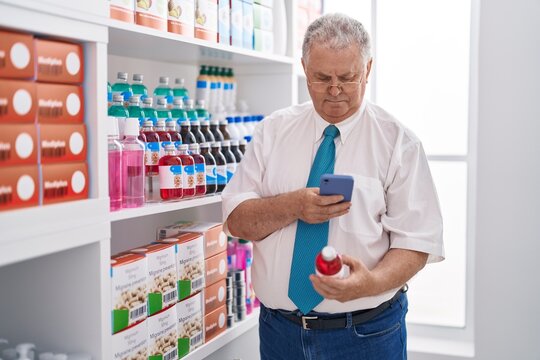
[(163, 91), (211, 170), (132, 166), (200, 169), (134, 109), (221, 166), (148, 110), (179, 90), (151, 162), (205, 129), (188, 171), (119, 112), (236, 152), (203, 85), (115, 166), (170, 175), (138, 87), (231, 160), (329, 263), (214, 128), (122, 87)]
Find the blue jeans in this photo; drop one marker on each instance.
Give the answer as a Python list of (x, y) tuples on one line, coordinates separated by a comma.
[(382, 338)]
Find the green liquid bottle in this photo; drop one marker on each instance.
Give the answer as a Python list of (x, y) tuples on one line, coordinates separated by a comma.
[(109, 94), (121, 87), (117, 110), (134, 110), (148, 110), (163, 112), (177, 112), (138, 87), (163, 90), (202, 112), (179, 90), (191, 112)]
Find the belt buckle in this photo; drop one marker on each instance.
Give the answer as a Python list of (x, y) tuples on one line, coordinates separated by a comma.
[(304, 321)]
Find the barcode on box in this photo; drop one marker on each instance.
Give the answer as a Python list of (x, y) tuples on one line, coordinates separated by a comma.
[(172, 355), (138, 312), (196, 340), (170, 297), (48, 69), (55, 192), (197, 284), (51, 111)]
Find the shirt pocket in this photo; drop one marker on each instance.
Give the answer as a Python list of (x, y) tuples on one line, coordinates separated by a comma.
[(367, 205)]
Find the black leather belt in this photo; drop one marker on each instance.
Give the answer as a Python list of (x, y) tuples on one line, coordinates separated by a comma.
[(340, 321)]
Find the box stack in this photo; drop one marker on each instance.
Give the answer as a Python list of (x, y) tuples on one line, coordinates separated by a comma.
[(263, 23), (42, 127), (247, 30), (206, 20)]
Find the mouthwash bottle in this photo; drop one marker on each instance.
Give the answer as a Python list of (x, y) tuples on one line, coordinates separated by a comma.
[(134, 109), (132, 166), (211, 170), (221, 166), (163, 90), (148, 110), (178, 113), (138, 87), (203, 85), (200, 169), (190, 110), (121, 87), (115, 165), (179, 90), (119, 112), (170, 175), (109, 94)]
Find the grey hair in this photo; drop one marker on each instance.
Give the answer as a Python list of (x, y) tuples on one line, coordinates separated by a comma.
[(337, 31)]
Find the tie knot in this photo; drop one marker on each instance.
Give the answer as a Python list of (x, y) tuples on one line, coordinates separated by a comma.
[(331, 130)]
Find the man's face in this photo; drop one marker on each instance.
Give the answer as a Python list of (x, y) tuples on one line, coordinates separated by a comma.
[(334, 67)]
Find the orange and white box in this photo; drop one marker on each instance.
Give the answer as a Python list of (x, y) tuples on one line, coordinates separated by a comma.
[(18, 144), (19, 187), (59, 62), (62, 143), (17, 101), (123, 10), (215, 240), (64, 182), (216, 268), (16, 55), (181, 17), (152, 13), (215, 296), (60, 104), (206, 20), (215, 323)]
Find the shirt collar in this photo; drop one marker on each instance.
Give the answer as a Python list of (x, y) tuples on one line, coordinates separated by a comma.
[(345, 127)]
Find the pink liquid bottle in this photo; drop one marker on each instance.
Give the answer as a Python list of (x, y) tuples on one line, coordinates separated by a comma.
[(200, 170), (115, 165), (132, 166), (170, 175), (244, 259), (151, 162), (188, 171), (328, 263)]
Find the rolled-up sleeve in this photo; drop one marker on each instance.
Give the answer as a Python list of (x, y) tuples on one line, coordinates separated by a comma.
[(413, 217)]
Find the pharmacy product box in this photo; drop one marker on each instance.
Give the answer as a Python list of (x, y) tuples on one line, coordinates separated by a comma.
[(131, 343), (163, 335), (181, 17), (216, 268), (152, 13), (62, 143), (247, 12), (59, 104), (206, 19), (17, 101), (129, 279), (162, 278), (215, 296), (224, 22), (123, 10), (18, 144), (262, 17), (267, 3), (189, 249), (264, 41), (215, 323), (190, 324), (59, 62), (64, 182), (19, 187), (16, 55), (237, 23), (215, 240)]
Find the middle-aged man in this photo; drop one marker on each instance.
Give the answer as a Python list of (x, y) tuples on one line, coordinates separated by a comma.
[(387, 233)]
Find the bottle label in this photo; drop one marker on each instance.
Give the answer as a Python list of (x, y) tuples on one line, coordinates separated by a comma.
[(162, 149), (231, 169), (213, 85), (170, 177), (189, 176), (152, 153), (200, 174), (177, 144), (202, 84), (211, 174), (221, 174)]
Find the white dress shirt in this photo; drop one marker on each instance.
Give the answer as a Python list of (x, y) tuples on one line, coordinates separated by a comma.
[(394, 202)]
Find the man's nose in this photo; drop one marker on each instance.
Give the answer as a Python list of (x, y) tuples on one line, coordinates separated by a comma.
[(334, 90)]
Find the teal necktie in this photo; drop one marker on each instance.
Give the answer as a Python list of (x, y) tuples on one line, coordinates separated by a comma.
[(311, 238)]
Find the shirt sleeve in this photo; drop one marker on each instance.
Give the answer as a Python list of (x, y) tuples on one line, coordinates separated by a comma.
[(413, 216)]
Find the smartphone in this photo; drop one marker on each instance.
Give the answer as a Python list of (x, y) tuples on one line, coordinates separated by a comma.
[(337, 185)]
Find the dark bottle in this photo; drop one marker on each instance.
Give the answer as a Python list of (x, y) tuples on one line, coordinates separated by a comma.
[(231, 160), (214, 128), (186, 134), (196, 130), (205, 129), (236, 152), (211, 170), (200, 170), (242, 146), (221, 166), (223, 128)]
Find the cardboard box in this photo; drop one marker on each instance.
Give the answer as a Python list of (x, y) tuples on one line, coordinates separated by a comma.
[(64, 182), (181, 17), (163, 335), (247, 12), (18, 144), (190, 324), (62, 143), (59, 104), (132, 343), (189, 249), (206, 19), (224, 22), (16, 55), (152, 13), (262, 18), (59, 62), (264, 41), (19, 187), (215, 296), (123, 10), (237, 23), (215, 323), (215, 240), (129, 279), (17, 101), (216, 268), (162, 276)]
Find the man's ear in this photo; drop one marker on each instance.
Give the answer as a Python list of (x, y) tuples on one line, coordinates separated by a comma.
[(368, 68)]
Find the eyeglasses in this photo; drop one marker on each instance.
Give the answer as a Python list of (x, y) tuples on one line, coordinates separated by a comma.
[(323, 86)]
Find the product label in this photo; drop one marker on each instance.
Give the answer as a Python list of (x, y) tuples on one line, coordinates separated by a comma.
[(189, 176), (200, 174), (202, 84), (221, 174), (162, 149), (211, 174), (190, 266), (231, 169), (190, 324), (131, 344), (170, 177), (163, 335), (152, 153)]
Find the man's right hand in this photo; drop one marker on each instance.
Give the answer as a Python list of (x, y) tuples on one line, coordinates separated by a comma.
[(314, 208)]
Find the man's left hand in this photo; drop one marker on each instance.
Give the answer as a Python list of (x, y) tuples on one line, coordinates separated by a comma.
[(359, 283)]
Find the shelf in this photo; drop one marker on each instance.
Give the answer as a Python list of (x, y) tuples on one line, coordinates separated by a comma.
[(158, 208), (223, 339), (138, 41)]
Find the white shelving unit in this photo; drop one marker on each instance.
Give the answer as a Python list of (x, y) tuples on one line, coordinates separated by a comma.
[(54, 260)]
